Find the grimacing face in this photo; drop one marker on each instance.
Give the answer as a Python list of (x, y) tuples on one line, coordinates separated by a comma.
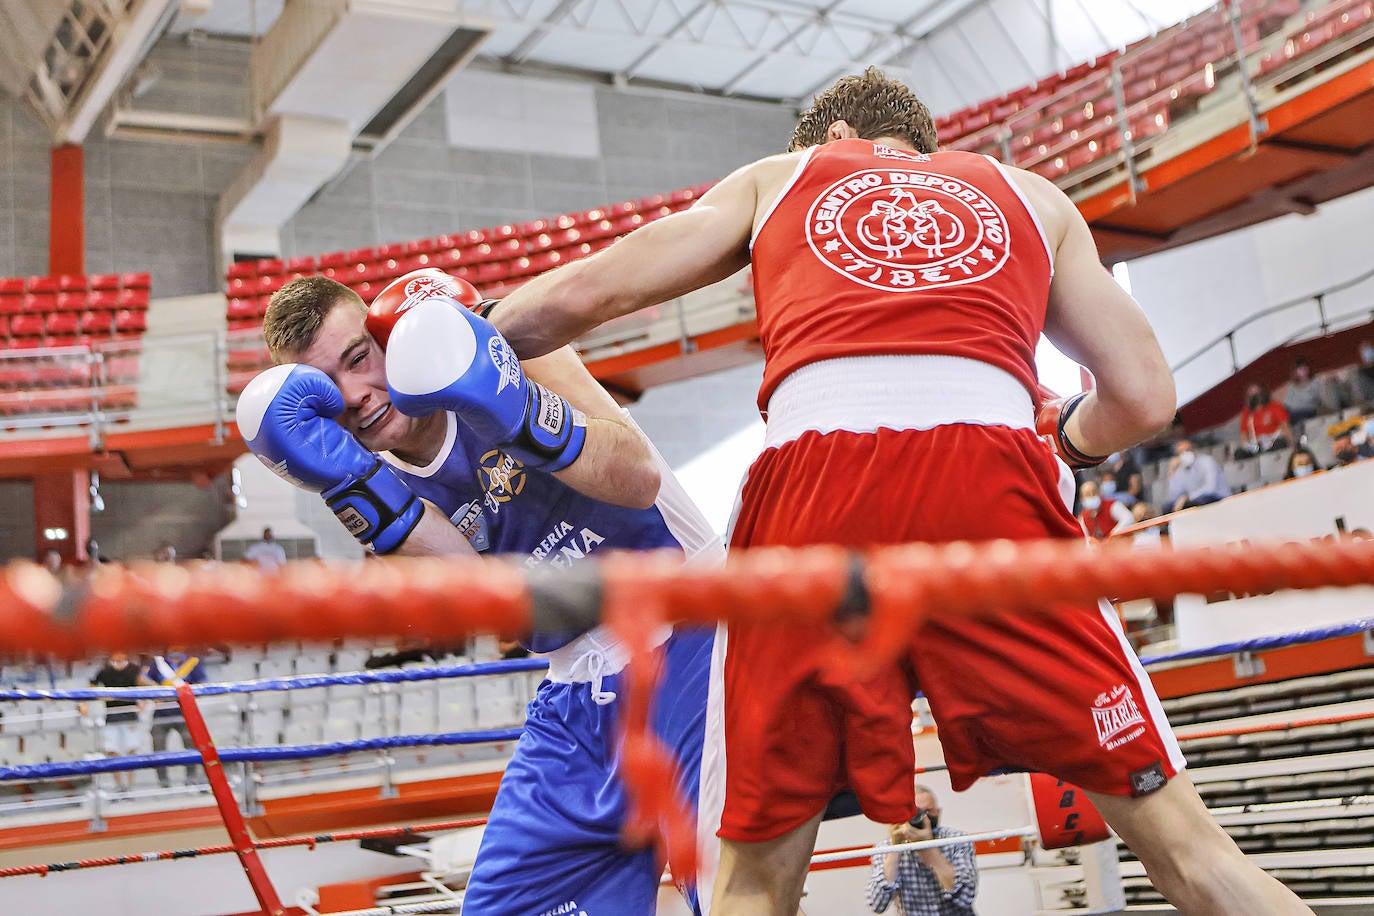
[(345, 352)]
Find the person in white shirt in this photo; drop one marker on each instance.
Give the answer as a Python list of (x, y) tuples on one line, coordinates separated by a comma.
[(267, 554)]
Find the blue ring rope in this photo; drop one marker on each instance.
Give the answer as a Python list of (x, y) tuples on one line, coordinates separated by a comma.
[(298, 682), (1299, 637), (251, 754)]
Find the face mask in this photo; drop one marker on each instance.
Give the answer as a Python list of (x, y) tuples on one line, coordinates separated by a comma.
[(1367, 354), (1302, 470), (1186, 459), (1108, 487), (1091, 503)]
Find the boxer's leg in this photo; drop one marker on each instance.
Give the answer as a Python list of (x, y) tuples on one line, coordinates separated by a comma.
[(554, 832), (767, 878), (1189, 858)]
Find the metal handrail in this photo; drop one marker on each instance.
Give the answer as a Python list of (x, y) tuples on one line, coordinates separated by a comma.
[(1316, 299)]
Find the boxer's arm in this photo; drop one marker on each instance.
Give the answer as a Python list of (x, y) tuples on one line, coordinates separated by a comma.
[(616, 464), (657, 262), (1097, 324), (434, 536)]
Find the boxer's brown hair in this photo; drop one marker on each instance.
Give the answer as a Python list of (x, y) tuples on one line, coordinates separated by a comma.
[(874, 106), (297, 310)]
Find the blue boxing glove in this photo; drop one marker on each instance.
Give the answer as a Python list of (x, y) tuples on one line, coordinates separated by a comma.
[(286, 417), (440, 356)]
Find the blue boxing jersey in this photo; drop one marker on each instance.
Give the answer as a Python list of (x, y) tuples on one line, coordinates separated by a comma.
[(503, 507)]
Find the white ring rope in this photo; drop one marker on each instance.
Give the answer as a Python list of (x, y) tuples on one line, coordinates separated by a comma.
[(924, 844)]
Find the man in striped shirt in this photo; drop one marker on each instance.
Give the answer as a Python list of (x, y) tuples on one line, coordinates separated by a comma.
[(940, 881)]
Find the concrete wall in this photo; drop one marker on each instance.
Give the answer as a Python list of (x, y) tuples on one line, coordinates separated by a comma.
[(421, 185), (17, 538), (141, 516)]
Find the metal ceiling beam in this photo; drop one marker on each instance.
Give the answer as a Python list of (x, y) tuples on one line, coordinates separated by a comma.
[(790, 38), (539, 31), (676, 29)]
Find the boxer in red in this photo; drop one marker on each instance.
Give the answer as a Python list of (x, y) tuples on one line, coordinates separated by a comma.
[(901, 292)]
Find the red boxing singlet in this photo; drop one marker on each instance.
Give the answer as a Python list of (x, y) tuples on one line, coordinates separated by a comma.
[(870, 250)]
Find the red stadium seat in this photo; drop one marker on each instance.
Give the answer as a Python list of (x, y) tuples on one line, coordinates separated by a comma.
[(72, 283), (334, 259), (70, 302), (133, 298), (450, 259), (97, 323), (361, 255), (40, 302), (416, 262), (12, 286), (62, 324), (11, 303), (503, 232), (535, 227), (26, 325), (42, 285), (420, 246), (241, 286), (241, 308), (268, 266), (267, 285), (136, 281), (304, 264), (131, 321), (103, 299), (242, 269), (493, 272), (392, 252)]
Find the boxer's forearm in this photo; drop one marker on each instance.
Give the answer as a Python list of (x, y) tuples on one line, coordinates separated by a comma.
[(615, 466), (434, 536)]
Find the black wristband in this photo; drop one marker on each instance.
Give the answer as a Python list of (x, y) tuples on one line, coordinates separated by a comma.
[(1077, 457), (483, 308)]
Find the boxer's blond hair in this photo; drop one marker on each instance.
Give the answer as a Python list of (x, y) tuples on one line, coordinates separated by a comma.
[(874, 106), (297, 310)]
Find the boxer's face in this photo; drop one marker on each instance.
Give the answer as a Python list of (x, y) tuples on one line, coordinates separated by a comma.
[(345, 352)]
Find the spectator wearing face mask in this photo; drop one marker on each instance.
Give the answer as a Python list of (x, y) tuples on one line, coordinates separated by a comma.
[(1110, 489), (1352, 446), (1304, 397), (1301, 463), (1194, 479), (1263, 423), (1100, 514), (1362, 380)]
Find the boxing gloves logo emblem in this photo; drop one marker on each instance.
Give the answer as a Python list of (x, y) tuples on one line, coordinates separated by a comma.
[(505, 361)]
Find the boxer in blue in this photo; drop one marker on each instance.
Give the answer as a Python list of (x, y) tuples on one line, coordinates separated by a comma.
[(426, 436)]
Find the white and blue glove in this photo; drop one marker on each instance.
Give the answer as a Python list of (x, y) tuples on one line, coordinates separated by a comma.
[(286, 415), (440, 356)]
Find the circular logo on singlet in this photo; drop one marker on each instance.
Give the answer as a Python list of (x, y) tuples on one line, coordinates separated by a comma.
[(901, 229)]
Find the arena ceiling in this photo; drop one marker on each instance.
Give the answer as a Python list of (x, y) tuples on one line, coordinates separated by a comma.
[(784, 49), (69, 57)]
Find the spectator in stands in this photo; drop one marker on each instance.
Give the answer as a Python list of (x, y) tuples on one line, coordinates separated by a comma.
[(119, 736), (1263, 423), (1305, 396), (1301, 463), (1362, 380), (1135, 490), (1353, 446), (93, 555), (52, 561), (1100, 514), (941, 881), (267, 554), (165, 554), (165, 670), (1122, 466), (1194, 479), (1142, 511)]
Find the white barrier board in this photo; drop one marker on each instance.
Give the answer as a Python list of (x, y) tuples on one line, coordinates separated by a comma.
[(1336, 504)]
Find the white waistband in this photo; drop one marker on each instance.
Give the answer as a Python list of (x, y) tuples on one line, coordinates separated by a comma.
[(576, 663), (862, 394)]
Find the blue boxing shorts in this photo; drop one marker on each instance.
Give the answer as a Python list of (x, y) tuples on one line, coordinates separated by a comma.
[(552, 843)]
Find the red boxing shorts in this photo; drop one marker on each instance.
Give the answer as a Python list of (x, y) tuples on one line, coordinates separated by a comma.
[(1058, 692)]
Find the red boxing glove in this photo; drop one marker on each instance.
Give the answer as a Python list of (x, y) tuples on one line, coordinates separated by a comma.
[(1050, 418), (415, 287)]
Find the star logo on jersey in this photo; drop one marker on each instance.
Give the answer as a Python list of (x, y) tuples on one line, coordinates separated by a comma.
[(503, 478), (900, 229)]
